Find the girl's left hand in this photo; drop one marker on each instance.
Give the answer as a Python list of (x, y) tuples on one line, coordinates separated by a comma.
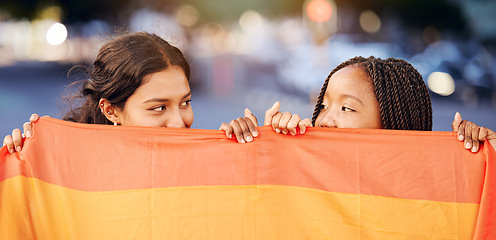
[(470, 133), (244, 129)]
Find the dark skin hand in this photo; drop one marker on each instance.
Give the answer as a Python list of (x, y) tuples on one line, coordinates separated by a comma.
[(471, 134), (244, 129)]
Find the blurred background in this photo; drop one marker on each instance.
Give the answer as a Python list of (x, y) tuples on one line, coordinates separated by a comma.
[(253, 53)]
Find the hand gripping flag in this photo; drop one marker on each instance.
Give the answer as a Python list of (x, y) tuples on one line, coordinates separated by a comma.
[(78, 181)]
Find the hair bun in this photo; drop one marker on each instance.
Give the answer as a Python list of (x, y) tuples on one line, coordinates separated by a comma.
[(88, 88)]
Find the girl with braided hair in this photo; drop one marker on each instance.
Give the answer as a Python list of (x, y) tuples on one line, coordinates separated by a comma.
[(375, 93)]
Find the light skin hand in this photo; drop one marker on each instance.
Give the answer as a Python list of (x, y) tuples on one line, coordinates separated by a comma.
[(471, 134), (14, 141), (244, 129), (285, 122)]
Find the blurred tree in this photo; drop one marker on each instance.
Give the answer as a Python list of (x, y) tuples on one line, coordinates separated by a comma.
[(442, 14), (231, 10), (19, 9)]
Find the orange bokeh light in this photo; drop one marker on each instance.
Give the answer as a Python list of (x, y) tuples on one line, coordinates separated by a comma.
[(319, 10)]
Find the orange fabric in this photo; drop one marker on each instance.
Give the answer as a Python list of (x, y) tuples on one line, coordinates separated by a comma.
[(378, 182)]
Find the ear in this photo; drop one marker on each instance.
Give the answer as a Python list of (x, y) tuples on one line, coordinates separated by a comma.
[(109, 111)]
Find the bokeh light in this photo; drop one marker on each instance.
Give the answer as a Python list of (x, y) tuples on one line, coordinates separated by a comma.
[(370, 22), (187, 15), (250, 21), (56, 34), (319, 11), (441, 83)]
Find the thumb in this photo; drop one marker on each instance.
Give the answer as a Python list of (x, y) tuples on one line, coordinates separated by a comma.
[(252, 117), (456, 122), (270, 113)]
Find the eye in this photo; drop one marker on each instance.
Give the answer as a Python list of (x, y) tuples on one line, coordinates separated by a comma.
[(159, 109), (347, 109), (186, 103)]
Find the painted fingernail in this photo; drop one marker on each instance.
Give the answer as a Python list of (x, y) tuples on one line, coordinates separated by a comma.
[(230, 136), (474, 149), (467, 145), (284, 132), (255, 133), (292, 133), (11, 151), (28, 134), (278, 130), (249, 139), (18, 148), (242, 141), (460, 137)]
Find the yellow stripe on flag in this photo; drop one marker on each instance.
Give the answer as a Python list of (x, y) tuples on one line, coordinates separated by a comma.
[(224, 212)]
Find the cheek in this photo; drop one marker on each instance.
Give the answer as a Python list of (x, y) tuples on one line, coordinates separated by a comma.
[(188, 118), (318, 120)]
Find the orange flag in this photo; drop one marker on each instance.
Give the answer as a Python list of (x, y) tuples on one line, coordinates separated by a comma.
[(78, 181)]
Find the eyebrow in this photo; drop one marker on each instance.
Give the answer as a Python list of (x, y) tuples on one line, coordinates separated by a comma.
[(165, 99), (352, 97)]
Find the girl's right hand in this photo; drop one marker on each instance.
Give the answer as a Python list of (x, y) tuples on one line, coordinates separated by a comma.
[(14, 142), (244, 129), (285, 122)]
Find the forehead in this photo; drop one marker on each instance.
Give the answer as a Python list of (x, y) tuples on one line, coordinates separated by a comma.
[(167, 84), (351, 80)]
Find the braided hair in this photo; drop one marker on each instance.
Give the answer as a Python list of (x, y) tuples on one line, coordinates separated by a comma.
[(403, 97)]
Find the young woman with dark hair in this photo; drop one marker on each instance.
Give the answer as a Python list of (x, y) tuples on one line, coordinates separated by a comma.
[(138, 79), (375, 93)]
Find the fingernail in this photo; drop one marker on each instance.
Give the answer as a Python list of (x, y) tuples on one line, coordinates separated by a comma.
[(474, 149), (467, 145), (249, 139), (230, 136), (301, 131), (275, 104), (11, 151), (255, 133), (278, 130), (18, 148), (292, 133), (248, 110), (28, 134), (284, 132), (460, 137), (242, 141)]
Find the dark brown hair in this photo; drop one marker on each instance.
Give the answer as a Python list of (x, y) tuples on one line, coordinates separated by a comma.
[(119, 69), (403, 97)]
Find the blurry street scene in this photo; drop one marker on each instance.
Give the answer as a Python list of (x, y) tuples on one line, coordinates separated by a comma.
[(253, 53)]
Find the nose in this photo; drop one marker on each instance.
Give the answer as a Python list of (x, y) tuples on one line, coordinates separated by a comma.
[(175, 120), (328, 120)]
